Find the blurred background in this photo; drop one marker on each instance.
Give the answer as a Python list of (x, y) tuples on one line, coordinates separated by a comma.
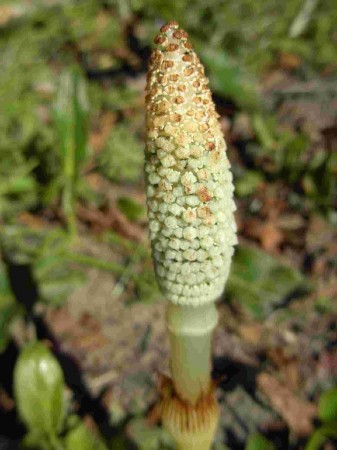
[(75, 267)]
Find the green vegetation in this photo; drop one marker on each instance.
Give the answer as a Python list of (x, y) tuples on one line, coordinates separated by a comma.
[(40, 396), (71, 162), (259, 281), (71, 121), (327, 411), (122, 158)]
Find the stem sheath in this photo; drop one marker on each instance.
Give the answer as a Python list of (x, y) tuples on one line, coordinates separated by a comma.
[(190, 331)]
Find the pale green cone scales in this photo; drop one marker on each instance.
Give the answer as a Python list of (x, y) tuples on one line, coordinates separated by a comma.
[(189, 183)]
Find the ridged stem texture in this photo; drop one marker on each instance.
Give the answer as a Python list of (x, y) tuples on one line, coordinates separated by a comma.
[(190, 333)]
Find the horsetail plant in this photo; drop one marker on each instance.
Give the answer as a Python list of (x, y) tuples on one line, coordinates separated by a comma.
[(192, 227)]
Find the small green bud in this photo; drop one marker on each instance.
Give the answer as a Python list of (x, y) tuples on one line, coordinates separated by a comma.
[(39, 390)]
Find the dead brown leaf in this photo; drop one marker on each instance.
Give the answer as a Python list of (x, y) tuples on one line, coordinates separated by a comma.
[(61, 322), (266, 232), (98, 138), (327, 364), (6, 402), (320, 234), (82, 334), (111, 219), (297, 413), (90, 424), (251, 333), (8, 13), (271, 236), (89, 341), (289, 61), (32, 221), (96, 219), (319, 265), (278, 356), (273, 203), (89, 322), (287, 366), (95, 181), (125, 227)]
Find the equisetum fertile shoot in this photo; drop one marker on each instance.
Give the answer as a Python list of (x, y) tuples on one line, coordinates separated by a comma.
[(192, 227)]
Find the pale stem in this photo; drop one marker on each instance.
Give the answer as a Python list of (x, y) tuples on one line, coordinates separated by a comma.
[(190, 332), (201, 445)]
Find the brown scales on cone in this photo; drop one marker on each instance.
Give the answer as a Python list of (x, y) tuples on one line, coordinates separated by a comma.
[(186, 169), (172, 62)]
